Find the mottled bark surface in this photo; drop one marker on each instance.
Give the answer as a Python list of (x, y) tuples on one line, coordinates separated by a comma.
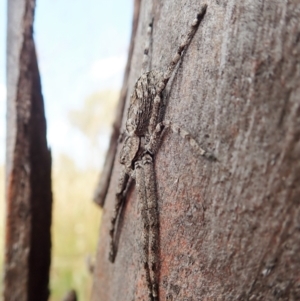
[(28, 165), (229, 230)]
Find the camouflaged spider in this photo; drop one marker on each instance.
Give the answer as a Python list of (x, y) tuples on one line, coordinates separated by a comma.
[(143, 134)]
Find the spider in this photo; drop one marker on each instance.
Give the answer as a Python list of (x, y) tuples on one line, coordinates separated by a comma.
[(143, 133)]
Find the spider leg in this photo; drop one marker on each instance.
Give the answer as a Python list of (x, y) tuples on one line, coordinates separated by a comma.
[(185, 43), (155, 113), (153, 223), (161, 129), (166, 76), (142, 199), (146, 62), (120, 196)]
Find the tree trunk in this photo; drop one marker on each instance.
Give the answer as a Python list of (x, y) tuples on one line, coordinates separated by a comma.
[(28, 165), (229, 229)]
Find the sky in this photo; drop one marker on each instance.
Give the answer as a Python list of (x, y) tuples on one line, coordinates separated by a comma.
[(2, 79), (82, 48)]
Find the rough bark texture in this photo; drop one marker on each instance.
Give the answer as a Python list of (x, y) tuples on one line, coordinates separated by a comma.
[(229, 230), (28, 165)]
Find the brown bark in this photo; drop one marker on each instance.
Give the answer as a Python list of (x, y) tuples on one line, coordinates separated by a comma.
[(28, 165), (229, 230)]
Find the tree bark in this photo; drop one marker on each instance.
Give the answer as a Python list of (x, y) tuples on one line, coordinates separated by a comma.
[(230, 229), (28, 165)]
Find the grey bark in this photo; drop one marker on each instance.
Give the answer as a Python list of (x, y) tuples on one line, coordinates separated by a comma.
[(28, 165), (229, 230)]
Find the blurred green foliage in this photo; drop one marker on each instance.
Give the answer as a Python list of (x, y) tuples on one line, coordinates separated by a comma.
[(75, 228), (75, 218), (96, 116)]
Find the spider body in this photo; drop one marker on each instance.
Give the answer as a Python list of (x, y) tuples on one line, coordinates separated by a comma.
[(143, 133), (147, 87), (137, 124)]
